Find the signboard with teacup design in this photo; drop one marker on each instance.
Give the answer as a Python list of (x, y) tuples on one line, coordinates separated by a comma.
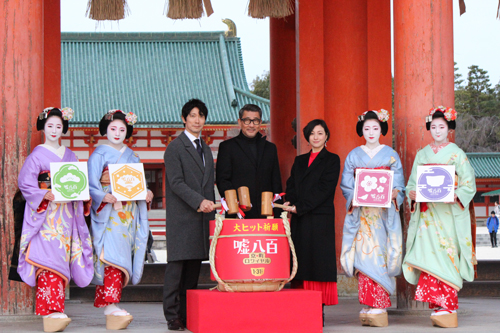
[(435, 183)]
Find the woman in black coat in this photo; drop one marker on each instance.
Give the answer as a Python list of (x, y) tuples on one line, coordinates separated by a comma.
[(310, 191)]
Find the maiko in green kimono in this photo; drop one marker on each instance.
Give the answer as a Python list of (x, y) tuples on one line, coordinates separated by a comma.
[(439, 244)]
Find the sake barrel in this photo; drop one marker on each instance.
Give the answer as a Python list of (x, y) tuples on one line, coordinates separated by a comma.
[(251, 255)]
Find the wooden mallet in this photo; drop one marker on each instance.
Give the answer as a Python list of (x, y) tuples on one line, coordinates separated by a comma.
[(267, 204), (231, 200)]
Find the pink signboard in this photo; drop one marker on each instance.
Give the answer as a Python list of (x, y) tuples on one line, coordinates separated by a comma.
[(373, 188)]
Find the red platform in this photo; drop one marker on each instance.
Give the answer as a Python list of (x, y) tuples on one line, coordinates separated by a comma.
[(288, 310)]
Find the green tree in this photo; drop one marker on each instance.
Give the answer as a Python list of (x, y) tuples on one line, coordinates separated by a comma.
[(260, 85), (461, 95), (480, 99)]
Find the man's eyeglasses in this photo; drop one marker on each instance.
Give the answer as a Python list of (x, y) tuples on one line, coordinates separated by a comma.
[(255, 121)]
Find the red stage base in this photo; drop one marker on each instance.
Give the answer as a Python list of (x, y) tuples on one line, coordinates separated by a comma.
[(288, 310)]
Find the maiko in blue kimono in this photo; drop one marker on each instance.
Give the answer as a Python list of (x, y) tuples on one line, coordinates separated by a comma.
[(119, 229)]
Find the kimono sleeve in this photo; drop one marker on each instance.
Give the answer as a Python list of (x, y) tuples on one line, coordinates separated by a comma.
[(466, 188), (28, 183), (347, 182), (96, 165), (398, 182), (352, 218)]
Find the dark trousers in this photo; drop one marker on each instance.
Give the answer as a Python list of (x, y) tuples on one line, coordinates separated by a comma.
[(493, 238), (179, 276)]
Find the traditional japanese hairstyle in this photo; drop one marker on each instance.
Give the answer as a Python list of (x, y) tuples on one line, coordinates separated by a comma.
[(449, 114), (381, 115), (129, 119), (65, 114)]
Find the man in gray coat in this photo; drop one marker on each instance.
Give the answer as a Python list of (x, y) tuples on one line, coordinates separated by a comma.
[(189, 186)]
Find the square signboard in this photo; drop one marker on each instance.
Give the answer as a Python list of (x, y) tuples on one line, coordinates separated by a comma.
[(373, 188), (435, 183), (69, 181), (128, 182)]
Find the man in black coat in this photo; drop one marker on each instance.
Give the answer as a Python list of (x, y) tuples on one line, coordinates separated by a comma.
[(249, 160), (189, 186)]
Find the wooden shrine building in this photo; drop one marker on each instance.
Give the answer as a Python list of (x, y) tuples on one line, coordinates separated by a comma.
[(153, 75)]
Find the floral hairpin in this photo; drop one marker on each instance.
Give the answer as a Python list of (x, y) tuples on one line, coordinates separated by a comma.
[(131, 118), (382, 115), (449, 113), (67, 113)]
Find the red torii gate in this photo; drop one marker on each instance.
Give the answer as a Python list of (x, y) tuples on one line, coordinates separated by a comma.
[(330, 60)]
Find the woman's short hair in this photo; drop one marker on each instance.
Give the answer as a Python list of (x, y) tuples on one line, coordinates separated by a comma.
[(438, 114), (109, 117), (53, 112), (311, 125), (384, 127)]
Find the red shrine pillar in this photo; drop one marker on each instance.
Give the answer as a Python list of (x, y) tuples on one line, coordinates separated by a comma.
[(357, 76), (26, 45), (424, 78), (309, 36), (283, 91)]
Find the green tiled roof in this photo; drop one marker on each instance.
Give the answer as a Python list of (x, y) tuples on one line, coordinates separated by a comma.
[(153, 75), (486, 165)]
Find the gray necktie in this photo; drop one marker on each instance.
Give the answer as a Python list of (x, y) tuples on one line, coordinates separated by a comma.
[(198, 148)]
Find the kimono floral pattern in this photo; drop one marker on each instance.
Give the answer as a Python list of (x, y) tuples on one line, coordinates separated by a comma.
[(50, 293), (372, 236), (119, 235), (439, 238), (436, 293), (372, 294), (56, 237)]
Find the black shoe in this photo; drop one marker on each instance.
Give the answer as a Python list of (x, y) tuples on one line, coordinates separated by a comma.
[(175, 325)]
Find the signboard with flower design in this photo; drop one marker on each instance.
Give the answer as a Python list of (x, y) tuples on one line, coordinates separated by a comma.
[(69, 181), (435, 183), (373, 188), (127, 181)]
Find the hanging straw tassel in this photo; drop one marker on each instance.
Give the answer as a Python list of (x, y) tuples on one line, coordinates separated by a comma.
[(102, 10), (270, 8), (188, 9)]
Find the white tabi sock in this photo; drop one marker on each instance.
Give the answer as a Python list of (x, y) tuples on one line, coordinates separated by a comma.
[(56, 315), (115, 311)]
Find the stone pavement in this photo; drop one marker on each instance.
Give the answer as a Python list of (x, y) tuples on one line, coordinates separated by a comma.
[(480, 315)]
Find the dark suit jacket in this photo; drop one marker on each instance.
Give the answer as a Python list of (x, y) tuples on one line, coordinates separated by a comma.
[(312, 190), (187, 183), (237, 167)]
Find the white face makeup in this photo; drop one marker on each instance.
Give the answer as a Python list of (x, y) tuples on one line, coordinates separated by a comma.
[(317, 138), (439, 130), (371, 132), (117, 131), (53, 129)]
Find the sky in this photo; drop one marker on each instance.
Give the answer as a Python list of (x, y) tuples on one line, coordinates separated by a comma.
[(476, 33)]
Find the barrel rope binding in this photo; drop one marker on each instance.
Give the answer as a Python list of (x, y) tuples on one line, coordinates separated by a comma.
[(213, 246)]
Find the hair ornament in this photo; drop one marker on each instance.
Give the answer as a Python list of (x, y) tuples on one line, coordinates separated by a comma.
[(109, 115), (45, 112), (67, 113), (382, 115), (131, 118), (449, 113)]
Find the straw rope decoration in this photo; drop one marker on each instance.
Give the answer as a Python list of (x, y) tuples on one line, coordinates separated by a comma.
[(213, 246), (187, 9), (102, 10), (270, 8)]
